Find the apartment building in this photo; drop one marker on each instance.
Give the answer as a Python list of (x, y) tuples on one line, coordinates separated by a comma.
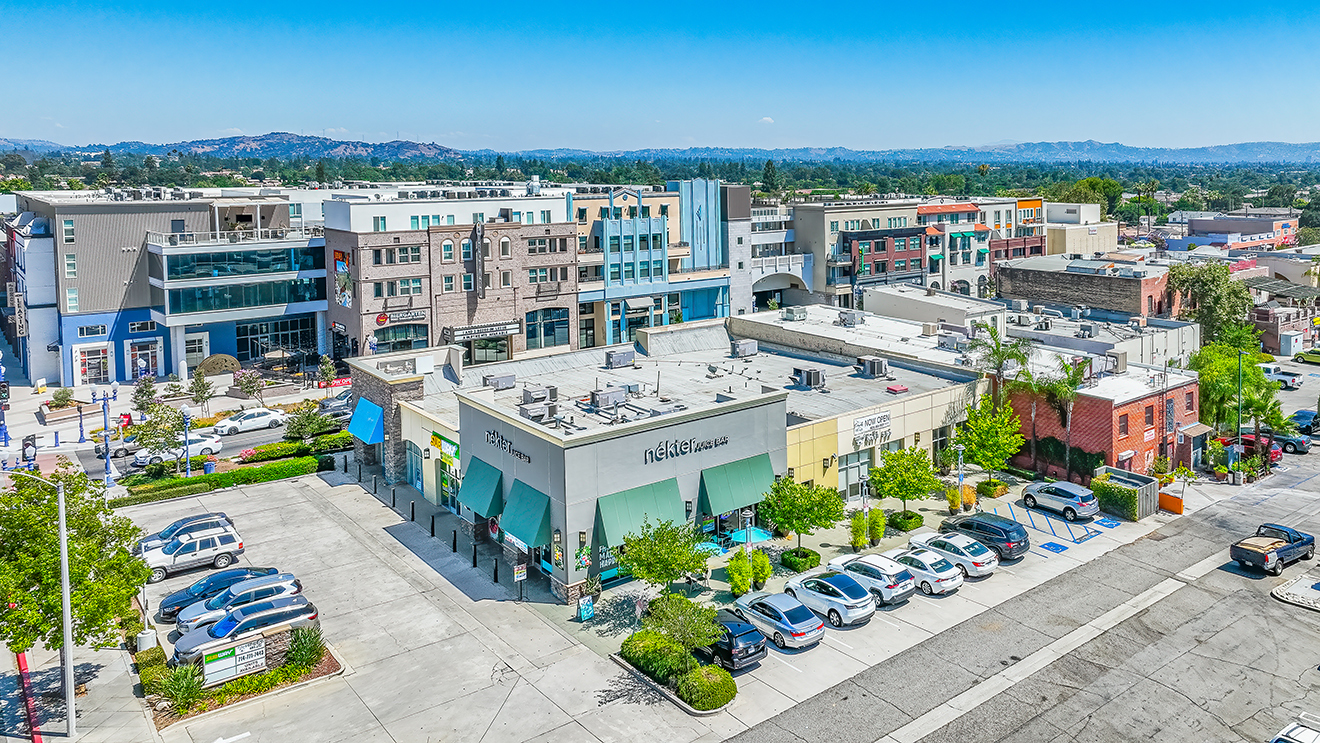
[(833, 232), (1238, 233), (112, 285), (956, 247), (1016, 228)]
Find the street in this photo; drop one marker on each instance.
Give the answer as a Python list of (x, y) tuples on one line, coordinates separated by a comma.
[(234, 444)]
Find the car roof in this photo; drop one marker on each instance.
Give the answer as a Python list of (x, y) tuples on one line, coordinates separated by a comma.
[(734, 623), (200, 517), (954, 538), (781, 601), (993, 519), (283, 602), (1303, 414), (1071, 487), (193, 536), (262, 580), (880, 561)]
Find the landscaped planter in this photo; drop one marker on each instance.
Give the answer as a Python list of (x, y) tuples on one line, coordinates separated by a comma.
[(277, 389), (49, 416), (666, 691)]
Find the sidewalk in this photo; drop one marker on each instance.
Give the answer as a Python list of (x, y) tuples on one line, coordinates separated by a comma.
[(13, 721)]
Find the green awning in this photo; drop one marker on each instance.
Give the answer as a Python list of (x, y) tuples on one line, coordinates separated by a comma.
[(983, 250), (735, 485), (482, 489), (527, 515), (935, 255), (622, 513)]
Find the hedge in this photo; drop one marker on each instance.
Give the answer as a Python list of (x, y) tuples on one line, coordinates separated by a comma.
[(152, 677), (656, 655), (331, 442), (990, 488), (707, 688), (800, 558), (149, 658), (176, 487), (906, 520), (739, 571), (1115, 499)]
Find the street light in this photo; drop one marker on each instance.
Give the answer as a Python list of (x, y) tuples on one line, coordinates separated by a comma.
[(105, 433), (747, 531), (187, 454), (959, 448), (71, 730), (114, 391)]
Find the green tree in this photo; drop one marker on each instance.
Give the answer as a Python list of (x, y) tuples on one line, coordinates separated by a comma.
[(684, 621), (200, 391), (320, 171), (1308, 236), (799, 508), (1034, 387), (994, 353), (499, 165), (306, 422), (108, 165), (10, 185), (103, 573), (1217, 368), (1260, 404), (663, 553), (1063, 396), (990, 435), (144, 394), (327, 372), (770, 177), (906, 474), (250, 383), (162, 430), (1211, 297)]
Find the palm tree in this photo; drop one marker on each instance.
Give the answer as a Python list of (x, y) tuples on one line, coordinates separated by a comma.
[(994, 353), (1063, 393), (1034, 386), (1261, 405)]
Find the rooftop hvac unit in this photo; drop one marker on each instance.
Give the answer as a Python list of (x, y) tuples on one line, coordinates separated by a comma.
[(1117, 361), (741, 349), (499, 381), (873, 367), (608, 397), (794, 313), (532, 411), (851, 318), (619, 359), (1043, 324), (1019, 305), (535, 394), (930, 328), (809, 377), (1024, 320), (665, 409)]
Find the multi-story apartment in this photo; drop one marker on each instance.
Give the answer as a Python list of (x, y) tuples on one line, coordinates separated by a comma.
[(956, 247), (828, 229), (109, 286), (1016, 227)]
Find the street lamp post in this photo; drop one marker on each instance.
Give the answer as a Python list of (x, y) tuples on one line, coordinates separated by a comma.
[(747, 531), (105, 418), (114, 391), (960, 448), (187, 454), (82, 435)]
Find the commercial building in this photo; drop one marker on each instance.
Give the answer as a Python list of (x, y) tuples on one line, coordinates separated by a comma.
[(1238, 233), (1153, 341), (957, 248), (112, 285), (779, 270), (1103, 284), (1017, 228), (928, 305), (1077, 229), (828, 231)]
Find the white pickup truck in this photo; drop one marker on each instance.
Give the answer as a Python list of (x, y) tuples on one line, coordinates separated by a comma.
[(1276, 373)]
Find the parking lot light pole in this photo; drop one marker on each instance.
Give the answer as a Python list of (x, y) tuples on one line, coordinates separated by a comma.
[(747, 531), (959, 448), (187, 453)]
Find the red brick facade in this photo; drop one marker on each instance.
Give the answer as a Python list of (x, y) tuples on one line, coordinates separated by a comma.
[(1098, 426)]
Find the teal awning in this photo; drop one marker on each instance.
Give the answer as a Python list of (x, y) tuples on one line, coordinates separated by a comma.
[(935, 255), (735, 485), (482, 489), (983, 250), (622, 513), (368, 422), (527, 515)]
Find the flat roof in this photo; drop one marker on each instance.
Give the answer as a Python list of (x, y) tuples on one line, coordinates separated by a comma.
[(916, 293)]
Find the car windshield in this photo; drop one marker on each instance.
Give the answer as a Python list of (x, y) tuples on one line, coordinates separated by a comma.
[(798, 614), (170, 530), (850, 588), (941, 565), (173, 547), (903, 575), (235, 417), (223, 627), (220, 599), (975, 549), (750, 637), (198, 588)]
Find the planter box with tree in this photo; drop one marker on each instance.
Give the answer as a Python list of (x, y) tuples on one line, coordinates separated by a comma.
[(801, 509)]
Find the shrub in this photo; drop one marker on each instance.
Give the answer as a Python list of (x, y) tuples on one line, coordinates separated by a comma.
[(707, 688), (277, 450), (905, 520), (176, 487), (1115, 499), (259, 683), (968, 497), (61, 398), (857, 530), (991, 488), (332, 442), (326, 463), (876, 525), (152, 678), (656, 655), (952, 497), (150, 658), (760, 567), (799, 559), (183, 687), (684, 621), (306, 647), (156, 471), (740, 573)]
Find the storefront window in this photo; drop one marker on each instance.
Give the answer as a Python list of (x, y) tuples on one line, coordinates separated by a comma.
[(94, 366), (413, 468), (401, 338), (854, 470), (144, 351), (487, 350), (295, 333), (547, 328)]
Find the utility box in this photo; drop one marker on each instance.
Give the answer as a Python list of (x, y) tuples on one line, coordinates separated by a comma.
[(1290, 343)]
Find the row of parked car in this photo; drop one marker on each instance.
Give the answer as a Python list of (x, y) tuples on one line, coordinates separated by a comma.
[(223, 606), (849, 590)]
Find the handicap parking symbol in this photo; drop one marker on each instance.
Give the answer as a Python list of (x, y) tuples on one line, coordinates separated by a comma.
[(1053, 547), (1107, 523)]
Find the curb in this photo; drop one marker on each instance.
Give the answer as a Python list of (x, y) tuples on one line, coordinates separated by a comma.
[(29, 703), (1280, 592), (344, 670), (667, 693)]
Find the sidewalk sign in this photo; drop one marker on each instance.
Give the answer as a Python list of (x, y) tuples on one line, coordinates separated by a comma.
[(41, 386), (586, 609), (519, 572)]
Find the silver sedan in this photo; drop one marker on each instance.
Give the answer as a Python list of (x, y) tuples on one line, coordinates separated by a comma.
[(968, 555), (840, 598), (782, 618)]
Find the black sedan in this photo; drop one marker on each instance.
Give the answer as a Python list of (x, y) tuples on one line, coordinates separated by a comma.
[(211, 585), (741, 646), (1304, 420)]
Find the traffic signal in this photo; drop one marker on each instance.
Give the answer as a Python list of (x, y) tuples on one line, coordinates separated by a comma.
[(4, 391)]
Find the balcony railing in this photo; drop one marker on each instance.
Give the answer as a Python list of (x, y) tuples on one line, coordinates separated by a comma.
[(780, 263), (231, 237)]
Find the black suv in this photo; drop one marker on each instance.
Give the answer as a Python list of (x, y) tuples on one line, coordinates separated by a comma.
[(1005, 537), (741, 646), (211, 585)]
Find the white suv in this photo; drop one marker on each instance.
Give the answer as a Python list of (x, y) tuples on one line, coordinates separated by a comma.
[(218, 547), (198, 446)]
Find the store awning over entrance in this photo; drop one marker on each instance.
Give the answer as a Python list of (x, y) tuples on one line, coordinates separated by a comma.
[(735, 485), (526, 515), (639, 303), (482, 489), (1196, 429), (368, 422), (622, 513)]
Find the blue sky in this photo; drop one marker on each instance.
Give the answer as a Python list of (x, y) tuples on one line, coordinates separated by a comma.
[(604, 76)]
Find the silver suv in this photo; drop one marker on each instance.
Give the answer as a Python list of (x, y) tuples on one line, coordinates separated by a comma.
[(218, 547), (292, 612), (250, 591)]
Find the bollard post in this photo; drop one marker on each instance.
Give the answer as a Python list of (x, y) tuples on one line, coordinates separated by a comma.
[(57, 439), (394, 500), (345, 464), (412, 510), (359, 472), (474, 554), (454, 547), (432, 526), (497, 569), (375, 485)]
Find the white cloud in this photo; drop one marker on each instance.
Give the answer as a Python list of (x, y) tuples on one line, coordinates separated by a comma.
[(336, 130), (232, 131), (766, 120)]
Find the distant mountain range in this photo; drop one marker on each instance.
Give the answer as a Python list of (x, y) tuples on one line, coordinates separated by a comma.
[(284, 145)]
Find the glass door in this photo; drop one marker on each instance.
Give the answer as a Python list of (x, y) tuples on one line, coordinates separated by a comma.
[(94, 366)]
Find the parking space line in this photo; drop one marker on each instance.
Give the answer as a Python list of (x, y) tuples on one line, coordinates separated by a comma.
[(877, 617), (781, 660), (838, 642)]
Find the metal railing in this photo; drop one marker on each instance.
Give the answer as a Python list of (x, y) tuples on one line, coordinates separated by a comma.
[(230, 237), (790, 262)]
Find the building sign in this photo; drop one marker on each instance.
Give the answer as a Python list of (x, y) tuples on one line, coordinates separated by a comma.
[(343, 280), (679, 447), (449, 452), (233, 662), (870, 424), (477, 332), (386, 318), (519, 573), (20, 315), (10, 288), (497, 440), (516, 542), (586, 608), (1150, 435), (340, 382), (339, 327)]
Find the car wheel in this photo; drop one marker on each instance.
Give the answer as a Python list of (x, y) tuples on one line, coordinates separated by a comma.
[(790, 592), (1310, 552), (1242, 564), (157, 575), (779, 641), (274, 424), (925, 588), (835, 619), (963, 569), (155, 460), (1029, 500), (120, 453), (1069, 514), (1290, 448), (1277, 569), (1299, 359), (223, 561), (204, 453)]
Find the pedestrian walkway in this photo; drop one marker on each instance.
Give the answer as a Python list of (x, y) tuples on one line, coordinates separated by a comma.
[(13, 722)]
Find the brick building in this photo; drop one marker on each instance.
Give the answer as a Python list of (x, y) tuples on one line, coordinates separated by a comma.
[(1136, 290), (1132, 417)]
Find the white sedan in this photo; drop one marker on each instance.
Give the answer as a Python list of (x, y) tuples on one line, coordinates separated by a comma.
[(968, 555), (933, 573), (840, 598), (198, 446), (251, 419)]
